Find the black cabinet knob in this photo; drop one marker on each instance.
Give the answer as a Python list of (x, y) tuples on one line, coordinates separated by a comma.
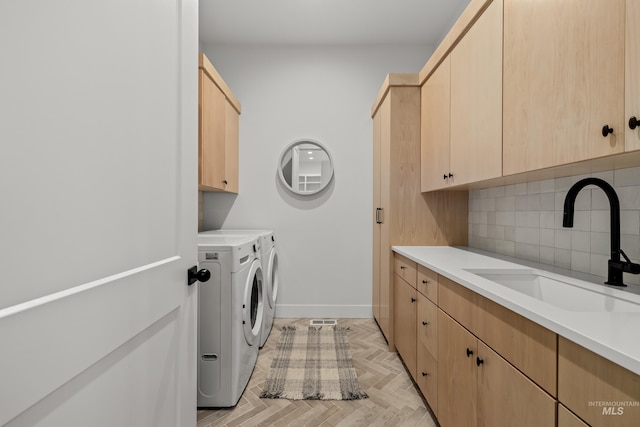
[(450, 175), (634, 122), (444, 176), (479, 361), (425, 282), (424, 374), (606, 130), (425, 323), (413, 300), (225, 182), (469, 352)]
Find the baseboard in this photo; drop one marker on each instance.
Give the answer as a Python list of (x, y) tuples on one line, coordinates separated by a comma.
[(296, 311)]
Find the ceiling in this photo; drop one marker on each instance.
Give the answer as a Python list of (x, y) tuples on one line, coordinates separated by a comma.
[(327, 22)]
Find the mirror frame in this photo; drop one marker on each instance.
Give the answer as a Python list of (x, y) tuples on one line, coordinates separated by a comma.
[(294, 144)]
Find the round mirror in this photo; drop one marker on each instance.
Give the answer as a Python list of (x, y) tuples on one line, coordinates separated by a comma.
[(305, 167)]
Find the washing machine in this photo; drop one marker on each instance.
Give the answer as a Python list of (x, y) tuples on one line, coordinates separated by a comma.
[(230, 317), (269, 259)]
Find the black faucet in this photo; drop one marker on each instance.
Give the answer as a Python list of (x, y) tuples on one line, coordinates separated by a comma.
[(616, 267)]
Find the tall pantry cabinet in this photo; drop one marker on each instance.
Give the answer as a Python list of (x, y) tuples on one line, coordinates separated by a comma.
[(402, 215)]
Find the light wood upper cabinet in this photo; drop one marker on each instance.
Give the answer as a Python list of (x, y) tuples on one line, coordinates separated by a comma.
[(563, 81), (435, 122), (476, 101), (632, 72), (218, 135)]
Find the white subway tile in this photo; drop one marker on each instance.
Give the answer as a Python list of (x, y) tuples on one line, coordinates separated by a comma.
[(605, 175), (521, 188), (582, 220), (496, 192), (507, 203), (527, 251), (547, 255), (583, 201), (510, 190), (581, 261), (528, 202), (482, 194), (547, 237), (491, 218), (562, 258), (533, 187), (548, 186), (562, 239), (599, 201), (599, 265), (629, 197), (630, 244), (624, 177), (547, 201), (505, 247), (480, 230), (495, 232), (580, 241), (510, 234), (547, 219), (528, 235), (506, 218), (487, 205), (630, 222), (560, 196), (600, 243), (600, 221)]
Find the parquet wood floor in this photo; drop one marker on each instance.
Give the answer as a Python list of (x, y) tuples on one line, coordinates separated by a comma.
[(393, 399)]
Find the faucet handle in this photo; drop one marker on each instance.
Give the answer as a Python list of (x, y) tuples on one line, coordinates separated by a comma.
[(628, 266)]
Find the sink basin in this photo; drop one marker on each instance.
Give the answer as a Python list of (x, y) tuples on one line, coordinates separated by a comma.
[(558, 293)]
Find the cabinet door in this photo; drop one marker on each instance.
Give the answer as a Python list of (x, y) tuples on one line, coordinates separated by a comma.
[(404, 322), (376, 226), (386, 255), (508, 398), (476, 100), (232, 141), (427, 326), (212, 135), (586, 381), (567, 419), (427, 373), (434, 133), (632, 72), (457, 382), (563, 81)]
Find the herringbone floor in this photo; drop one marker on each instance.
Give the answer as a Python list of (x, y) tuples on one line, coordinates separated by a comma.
[(393, 399)]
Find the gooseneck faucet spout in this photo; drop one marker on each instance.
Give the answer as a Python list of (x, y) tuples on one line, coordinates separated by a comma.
[(615, 266)]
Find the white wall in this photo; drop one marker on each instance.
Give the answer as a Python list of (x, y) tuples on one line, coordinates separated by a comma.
[(322, 93)]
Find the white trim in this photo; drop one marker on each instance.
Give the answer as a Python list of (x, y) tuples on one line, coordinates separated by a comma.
[(297, 311)]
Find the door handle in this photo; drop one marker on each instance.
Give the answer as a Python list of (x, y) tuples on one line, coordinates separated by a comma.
[(379, 215), (194, 275)]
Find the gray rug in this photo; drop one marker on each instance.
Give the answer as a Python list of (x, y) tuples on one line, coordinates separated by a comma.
[(312, 364)]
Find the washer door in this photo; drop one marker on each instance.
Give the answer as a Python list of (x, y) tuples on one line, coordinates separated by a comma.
[(252, 308), (272, 285)]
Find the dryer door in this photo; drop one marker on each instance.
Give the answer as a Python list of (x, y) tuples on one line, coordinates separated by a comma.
[(272, 271), (252, 308)]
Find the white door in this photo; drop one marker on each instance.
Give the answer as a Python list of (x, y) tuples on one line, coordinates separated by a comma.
[(98, 194)]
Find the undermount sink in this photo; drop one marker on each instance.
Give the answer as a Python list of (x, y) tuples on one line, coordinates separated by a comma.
[(563, 295)]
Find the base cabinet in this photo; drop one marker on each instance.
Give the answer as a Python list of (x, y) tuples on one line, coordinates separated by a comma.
[(405, 322)]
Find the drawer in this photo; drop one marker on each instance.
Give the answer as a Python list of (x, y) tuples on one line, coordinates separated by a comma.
[(526, 345), (427, 374), (428, 283), (406, 269), (428, 325), (458, 302), (587, 381)]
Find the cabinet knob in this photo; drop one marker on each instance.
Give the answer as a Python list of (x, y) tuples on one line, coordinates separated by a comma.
[(225, 182), (425, 282), (479, 361), (425, 323), (469, 352), (633, 122), (424, 374), (402, 267), (606, 130), (450, 175), (413, 300), (444, 176)]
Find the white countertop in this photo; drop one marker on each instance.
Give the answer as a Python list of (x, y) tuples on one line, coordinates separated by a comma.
[(614, 336)]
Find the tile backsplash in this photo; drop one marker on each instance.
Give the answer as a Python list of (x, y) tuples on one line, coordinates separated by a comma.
[(525, 221)]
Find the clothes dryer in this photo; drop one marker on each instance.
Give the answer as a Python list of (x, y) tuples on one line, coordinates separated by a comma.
[(230, 317), (269, 259)]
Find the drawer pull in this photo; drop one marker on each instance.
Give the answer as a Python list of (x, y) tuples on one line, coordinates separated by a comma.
[(425, 282), (425, 323), (424, 374), (469, 352), (413, 300), (479, 361), (402, 267), (606, 130), (633, 122)]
